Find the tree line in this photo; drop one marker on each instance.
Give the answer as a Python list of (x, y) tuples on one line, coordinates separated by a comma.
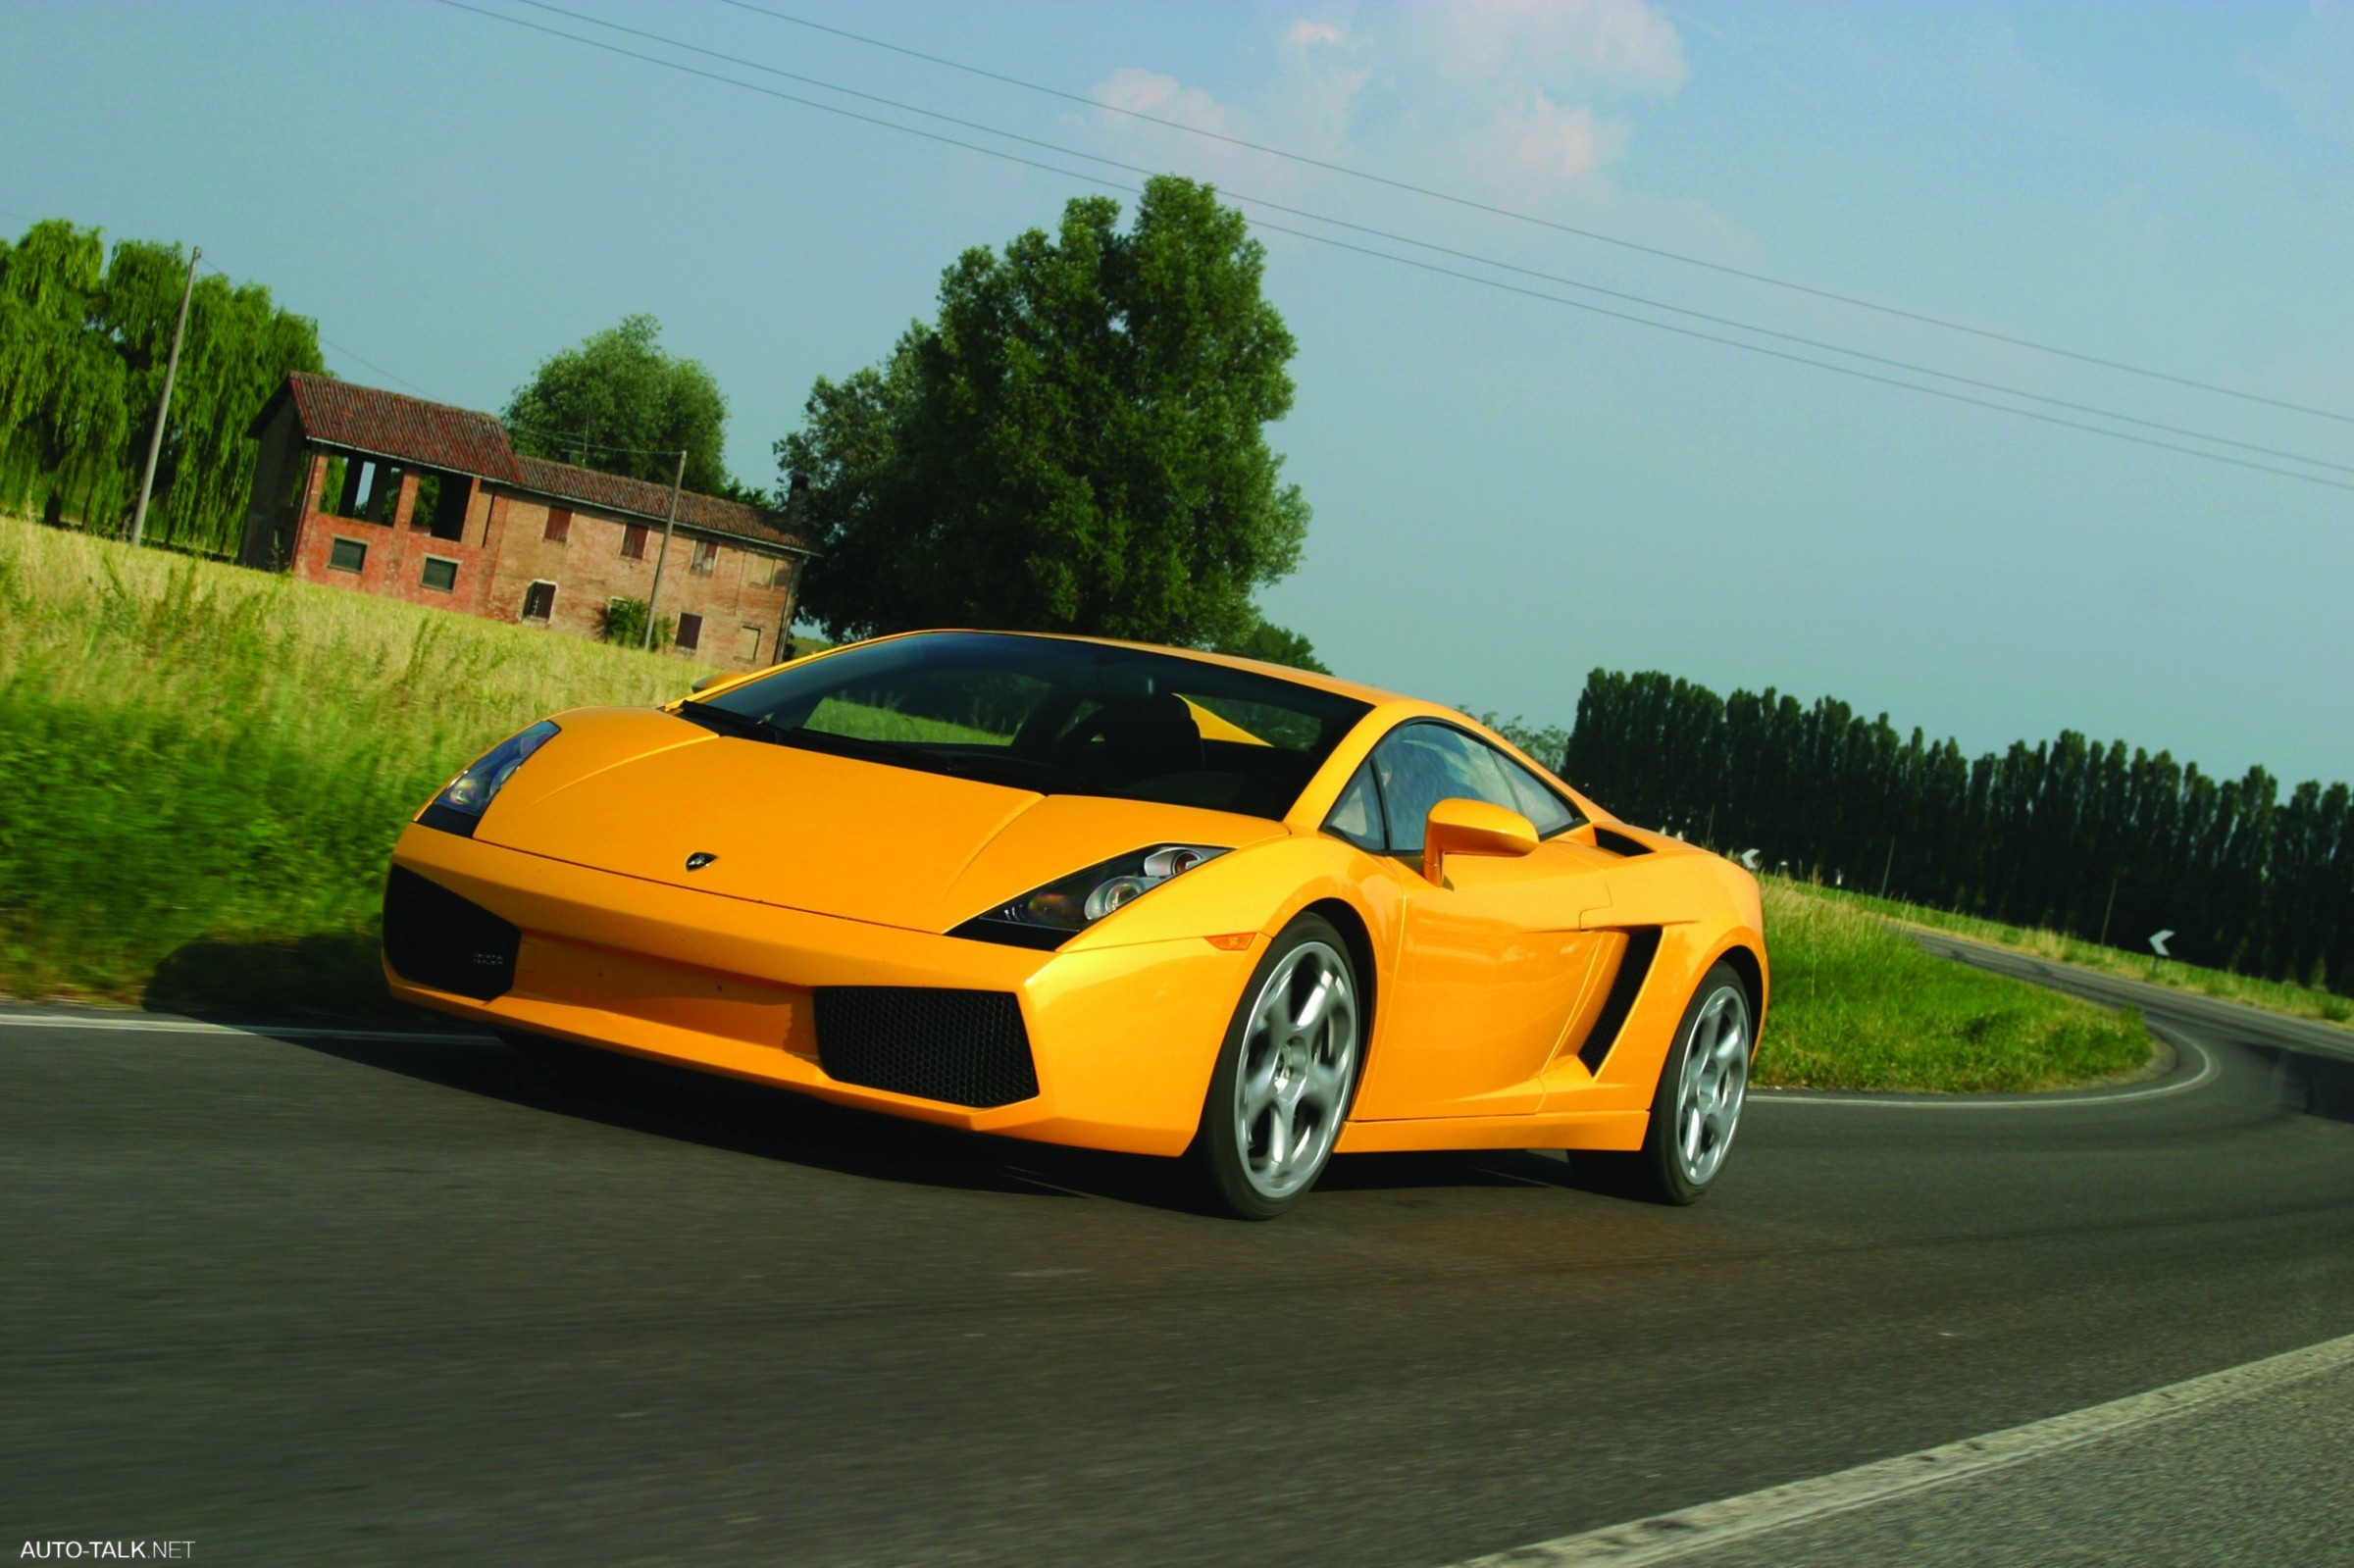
[(2100, 842), (85, 336)]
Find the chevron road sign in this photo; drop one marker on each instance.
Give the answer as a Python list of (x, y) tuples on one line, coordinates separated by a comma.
[(2158, 944)]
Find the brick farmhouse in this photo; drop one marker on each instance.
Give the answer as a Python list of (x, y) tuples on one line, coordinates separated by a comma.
[(394, 495)]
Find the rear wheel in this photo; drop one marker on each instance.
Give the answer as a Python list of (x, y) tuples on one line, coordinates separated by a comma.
[(1284, 1077), (1697, 1105)]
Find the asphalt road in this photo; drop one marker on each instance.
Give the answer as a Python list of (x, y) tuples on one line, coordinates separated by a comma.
[(325, 1300)]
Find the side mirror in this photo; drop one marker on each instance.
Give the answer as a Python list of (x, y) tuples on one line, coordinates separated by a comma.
[(1472, 828)]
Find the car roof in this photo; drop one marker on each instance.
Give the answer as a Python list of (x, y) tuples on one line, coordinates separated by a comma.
[(1373, 695)]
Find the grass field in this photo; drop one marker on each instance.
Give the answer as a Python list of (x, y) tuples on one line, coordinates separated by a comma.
[(204, 769), (2302, 1001), (1858, 1005)]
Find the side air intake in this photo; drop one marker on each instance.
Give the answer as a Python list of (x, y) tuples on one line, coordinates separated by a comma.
[(1634, 967)]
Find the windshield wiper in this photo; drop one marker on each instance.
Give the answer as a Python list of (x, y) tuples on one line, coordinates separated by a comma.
[(727, 721)]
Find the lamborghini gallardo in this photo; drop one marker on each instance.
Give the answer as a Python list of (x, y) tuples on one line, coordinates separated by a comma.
[(1099, 894)]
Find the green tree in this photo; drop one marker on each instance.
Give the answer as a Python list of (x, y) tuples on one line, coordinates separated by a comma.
[(84, 340), (620, 404), (1076, 445), (1261, 639)]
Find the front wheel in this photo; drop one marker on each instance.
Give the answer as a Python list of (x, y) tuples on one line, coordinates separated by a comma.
[(1697, 1105), (1284, 1077)]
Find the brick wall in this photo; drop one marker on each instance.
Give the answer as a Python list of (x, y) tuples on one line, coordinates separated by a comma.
[(588, 569), (504, 549), (396, 553)]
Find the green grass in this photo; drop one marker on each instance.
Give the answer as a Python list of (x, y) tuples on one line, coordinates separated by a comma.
[(1858, 1005), (2281, 996), (203, 768)]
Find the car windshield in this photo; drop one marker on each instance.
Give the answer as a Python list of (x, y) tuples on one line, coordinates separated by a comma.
[(1049, 715)]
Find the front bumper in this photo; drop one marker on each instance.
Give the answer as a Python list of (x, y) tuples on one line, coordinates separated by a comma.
[(1122, 1039)]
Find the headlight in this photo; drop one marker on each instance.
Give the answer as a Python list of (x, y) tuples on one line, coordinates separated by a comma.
[(461, 804), (1052, 915)]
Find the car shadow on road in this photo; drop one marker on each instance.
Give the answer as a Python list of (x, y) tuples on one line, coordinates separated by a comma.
[(328, 974), (767, 1123)]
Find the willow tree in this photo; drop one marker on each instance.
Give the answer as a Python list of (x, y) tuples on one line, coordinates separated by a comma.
[(63, 412), (84, 344)]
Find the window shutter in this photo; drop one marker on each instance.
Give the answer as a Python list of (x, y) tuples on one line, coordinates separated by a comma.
[(559, 524), (633, 541), (690, 631)]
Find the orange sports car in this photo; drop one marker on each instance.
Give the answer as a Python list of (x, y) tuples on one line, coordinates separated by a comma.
[(1099, 894)]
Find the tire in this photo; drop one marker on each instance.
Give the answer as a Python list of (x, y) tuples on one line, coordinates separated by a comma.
[(1697, 1106), (1285, 1075)]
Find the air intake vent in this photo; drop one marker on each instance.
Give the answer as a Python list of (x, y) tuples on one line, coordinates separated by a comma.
[(963, 1047), (1634, 967), (433, 937), (1618, 843)]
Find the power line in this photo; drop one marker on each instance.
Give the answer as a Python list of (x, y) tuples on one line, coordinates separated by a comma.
[(1923, 317), (327, 342), (1448, 272), (1392, 237)]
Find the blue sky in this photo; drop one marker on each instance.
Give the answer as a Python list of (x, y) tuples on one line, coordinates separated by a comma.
[(1508, 492)]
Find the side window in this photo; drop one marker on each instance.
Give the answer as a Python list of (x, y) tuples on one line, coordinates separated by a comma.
[(1548, 811), (1420, 765), (1357, 814)]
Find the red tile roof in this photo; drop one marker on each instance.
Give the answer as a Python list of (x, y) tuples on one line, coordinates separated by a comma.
[(459, 440), (407, 430), (613, 493)]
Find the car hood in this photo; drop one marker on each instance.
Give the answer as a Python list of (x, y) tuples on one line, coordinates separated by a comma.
[(639, 791)]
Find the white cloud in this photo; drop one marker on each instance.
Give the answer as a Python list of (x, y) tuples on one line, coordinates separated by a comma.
[(1149, 92), (1525, 102), (1623, 45), (1544, 144)]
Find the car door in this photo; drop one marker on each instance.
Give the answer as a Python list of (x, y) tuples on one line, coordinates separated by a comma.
[(1490, 965)]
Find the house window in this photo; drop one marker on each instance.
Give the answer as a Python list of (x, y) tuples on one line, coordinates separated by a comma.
[(690, 631), (706, 556), (347, 555), (747, 645), (440, 576), (540, 601), (776, 571), (632, 542), (559, 524)]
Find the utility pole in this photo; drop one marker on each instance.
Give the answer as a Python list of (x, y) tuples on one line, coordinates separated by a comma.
[(670, 526), (1887, 866), (2112, 909), (155, 442)]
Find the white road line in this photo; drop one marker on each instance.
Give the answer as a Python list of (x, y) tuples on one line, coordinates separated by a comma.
[(2208, 1071), (189, 1025), (1664, 1538)]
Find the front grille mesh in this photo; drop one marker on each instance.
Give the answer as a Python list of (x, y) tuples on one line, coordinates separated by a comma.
[(964, 1047), (434, 938)]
